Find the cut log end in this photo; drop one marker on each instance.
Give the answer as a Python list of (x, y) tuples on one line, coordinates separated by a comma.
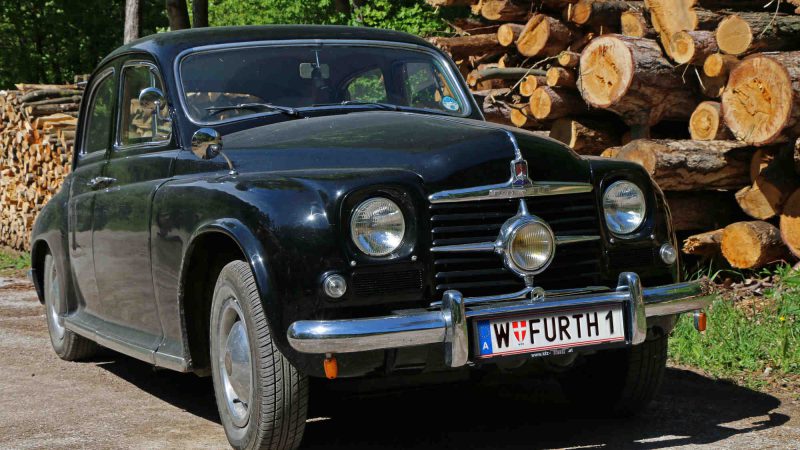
[(757, 102), (508, 33), (606, 71), (734, 35), (704, 244), (529, 84), (633, 24), (718, 65), (560, 77), (705, 123), (752, 245)]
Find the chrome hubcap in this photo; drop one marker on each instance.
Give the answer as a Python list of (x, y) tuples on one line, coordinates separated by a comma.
[(55, 313), (234, 363)]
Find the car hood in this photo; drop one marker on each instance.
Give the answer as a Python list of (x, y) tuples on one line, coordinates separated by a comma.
[(446, 152)]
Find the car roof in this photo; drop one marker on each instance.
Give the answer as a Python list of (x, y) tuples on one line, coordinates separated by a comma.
[(169, 45)]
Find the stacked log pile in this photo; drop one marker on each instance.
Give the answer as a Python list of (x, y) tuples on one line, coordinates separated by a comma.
[(37, 137), (704, 94)]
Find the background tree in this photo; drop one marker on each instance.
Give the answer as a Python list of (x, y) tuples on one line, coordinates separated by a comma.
[(178, 15), (200, 13), (131, 21)]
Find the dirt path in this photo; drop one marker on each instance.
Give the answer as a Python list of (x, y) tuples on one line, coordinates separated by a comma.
[(117, 402)]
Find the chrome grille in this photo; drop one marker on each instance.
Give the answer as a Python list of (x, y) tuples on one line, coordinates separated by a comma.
[(479, 221)]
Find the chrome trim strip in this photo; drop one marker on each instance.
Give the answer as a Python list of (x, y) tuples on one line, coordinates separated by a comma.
[(507, 190), (456, 77), (446, 325), (494, 246)]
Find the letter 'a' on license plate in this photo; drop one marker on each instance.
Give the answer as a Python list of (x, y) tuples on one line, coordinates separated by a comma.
[(545, 332)]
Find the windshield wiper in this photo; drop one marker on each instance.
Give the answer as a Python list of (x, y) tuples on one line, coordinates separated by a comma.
[(387, 106), (214, 110)]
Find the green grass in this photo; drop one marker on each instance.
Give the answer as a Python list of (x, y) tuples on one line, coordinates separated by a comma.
[(13, 264), (743, 340)]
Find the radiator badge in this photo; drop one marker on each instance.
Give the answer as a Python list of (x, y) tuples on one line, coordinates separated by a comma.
[(519, 173)]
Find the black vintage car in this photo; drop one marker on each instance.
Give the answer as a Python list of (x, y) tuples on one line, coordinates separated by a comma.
[(269, 204)]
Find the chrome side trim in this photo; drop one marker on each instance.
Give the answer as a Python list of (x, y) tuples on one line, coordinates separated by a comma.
[(565, 240), (507, 190), (447, 325)]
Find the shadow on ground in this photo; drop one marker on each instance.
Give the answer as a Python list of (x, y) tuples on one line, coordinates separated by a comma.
[(691, 410)]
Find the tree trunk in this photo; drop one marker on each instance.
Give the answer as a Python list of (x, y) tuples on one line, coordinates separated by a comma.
[(634, 24), (692, 165), (772, 187), (131, 21), (762, 101), (790, 223), (706, 123), (200, 13), (498, 73), (569, 59), (508, 33), (461, 47), (433, 3), (530, 83), (178, 15), (630, 77), (692, 47), (752, 245), (758, 31), (560, 77), (703, 244), (547, 103), (544, 36), (585, 136), (602, 14), (505, 10), (671, 16), (702, 210), (719, 65)]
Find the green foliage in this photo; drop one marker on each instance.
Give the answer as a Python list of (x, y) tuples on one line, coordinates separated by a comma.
[(412, 16), (51, 41), (742, 340), (12, 263)]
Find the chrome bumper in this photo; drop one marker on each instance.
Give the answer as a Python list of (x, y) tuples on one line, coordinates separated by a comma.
[(448, 323)]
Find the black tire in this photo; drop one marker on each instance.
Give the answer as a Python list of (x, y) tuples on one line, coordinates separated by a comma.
[(67, 345), (275, 416), (625, 380)]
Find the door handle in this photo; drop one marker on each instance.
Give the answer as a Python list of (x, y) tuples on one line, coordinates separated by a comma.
[(100, 182)]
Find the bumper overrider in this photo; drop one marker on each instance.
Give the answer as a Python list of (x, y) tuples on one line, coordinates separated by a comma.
[(446, 323)]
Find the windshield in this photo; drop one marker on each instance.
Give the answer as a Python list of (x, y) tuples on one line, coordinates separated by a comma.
[(215, 82)]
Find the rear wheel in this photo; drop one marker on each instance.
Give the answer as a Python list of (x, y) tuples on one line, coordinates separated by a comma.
[(67, 345), (262, 399), (625, 381)]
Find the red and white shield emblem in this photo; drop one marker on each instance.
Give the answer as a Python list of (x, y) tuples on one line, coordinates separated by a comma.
[(519, 330)]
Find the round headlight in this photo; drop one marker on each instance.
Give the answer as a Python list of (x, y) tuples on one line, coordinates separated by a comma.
[(532, 246), (624, 207), (377, 226)]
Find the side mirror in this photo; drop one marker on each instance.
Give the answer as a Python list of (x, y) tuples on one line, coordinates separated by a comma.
[(152, 100), (206, 143)]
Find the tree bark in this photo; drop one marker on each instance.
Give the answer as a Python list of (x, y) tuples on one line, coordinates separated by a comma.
[(678, 165), (585, 136), (630, 77), (561, 77), (547, 103), (602, 14), (200, 12), (178, 15), (505, 10), (692, 47), (762, 100), (790, 223), (131, 21), (706, 123), (702, 210), (752, 245), (703, 244), (545, 36), (500, 73), (569, 59), (461, 47)]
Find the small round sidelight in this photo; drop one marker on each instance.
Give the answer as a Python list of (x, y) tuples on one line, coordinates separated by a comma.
[(531, 246), (334, 286), (668, 254)]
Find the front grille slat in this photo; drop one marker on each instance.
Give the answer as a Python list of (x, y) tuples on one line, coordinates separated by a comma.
[(477, 274)]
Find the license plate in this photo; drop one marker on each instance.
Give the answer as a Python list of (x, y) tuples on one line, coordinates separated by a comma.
[(548, 333)]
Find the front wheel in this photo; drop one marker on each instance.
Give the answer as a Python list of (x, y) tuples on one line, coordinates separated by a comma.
[(622, 381), (262, 399)]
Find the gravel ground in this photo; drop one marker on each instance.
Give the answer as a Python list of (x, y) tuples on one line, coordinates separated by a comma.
[(117, 402)]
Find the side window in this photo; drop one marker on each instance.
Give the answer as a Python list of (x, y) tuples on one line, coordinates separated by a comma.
[(426, 88), (137, 125), (98, 127), (367, 87)]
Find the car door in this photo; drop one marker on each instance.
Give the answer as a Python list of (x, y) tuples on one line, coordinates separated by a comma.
[(90, 159), (139, 162)]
